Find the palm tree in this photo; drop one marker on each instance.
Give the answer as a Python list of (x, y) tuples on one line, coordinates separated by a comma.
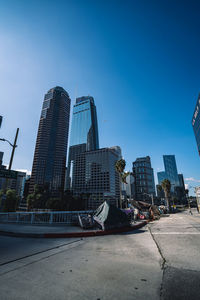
[(166, 186), (120, 166)]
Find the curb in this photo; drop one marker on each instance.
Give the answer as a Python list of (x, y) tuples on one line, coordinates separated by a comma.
[(74, 234)]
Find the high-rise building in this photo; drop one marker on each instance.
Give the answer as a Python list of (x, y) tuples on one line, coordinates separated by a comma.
[(1, 158), (176, 180), (1, 118), (144, 179), (181, 180), (170, 172), (84, 132), (51, 146), (196, 123), (171, 169), (95, 178), (128, 188), (161, 176)]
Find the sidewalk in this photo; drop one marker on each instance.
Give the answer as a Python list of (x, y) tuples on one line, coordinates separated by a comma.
[(59, 231)]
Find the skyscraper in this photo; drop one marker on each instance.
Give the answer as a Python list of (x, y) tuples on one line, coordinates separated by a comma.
[(144, 179), (1, 118), (196, 123), (84, 132), (170, 172), (51, 146)]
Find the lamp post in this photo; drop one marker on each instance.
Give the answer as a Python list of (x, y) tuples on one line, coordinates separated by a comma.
[(14, 146)]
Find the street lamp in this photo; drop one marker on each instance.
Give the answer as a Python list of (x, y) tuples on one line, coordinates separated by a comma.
[(14, 146)]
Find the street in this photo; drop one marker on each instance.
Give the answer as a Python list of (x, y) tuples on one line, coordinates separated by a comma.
[(159, 261)]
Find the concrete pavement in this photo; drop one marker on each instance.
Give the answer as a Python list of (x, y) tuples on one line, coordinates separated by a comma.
[(60, 231), (159, 261), (124, 266), (178, 241)]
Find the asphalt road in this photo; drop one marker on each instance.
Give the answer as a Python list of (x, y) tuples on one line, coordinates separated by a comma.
[(178, 241), (159, 261)]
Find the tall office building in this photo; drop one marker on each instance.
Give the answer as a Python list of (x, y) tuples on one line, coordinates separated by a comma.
[(170, 172), (144, 179), (95, 178), (84, 132), (181, 180), (196, 123), (161, 177), (1, 118), (51, 146)]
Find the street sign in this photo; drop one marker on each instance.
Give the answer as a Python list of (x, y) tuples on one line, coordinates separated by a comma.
[(4, 173)]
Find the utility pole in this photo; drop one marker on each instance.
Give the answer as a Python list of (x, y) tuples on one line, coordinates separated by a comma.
[(10, 163), (13, 149), (152, 200)]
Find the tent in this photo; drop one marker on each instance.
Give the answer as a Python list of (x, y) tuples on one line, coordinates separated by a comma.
[(108, 216)]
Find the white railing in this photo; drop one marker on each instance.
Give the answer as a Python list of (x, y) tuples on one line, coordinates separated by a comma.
[(61, 217)]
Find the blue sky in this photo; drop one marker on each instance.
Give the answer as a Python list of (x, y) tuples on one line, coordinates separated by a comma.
[(138, 59)]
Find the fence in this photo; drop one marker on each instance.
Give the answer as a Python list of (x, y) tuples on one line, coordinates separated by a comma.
[(64, 217)]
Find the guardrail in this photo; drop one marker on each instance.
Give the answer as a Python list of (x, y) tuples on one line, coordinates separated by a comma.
[(63, 217)]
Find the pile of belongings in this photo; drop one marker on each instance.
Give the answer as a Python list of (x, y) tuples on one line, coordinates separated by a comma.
[(154, 212), (85, 221), (146, 210), (108, 216), (130, 213), (163, 209)]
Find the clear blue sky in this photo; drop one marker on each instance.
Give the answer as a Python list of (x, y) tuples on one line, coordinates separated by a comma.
[(140, 60)]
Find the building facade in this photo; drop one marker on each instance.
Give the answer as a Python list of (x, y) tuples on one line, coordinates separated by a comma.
[(176, 180), (170, 172), (128, 189), (171, 169), (94, 177), (84, 132), (196, 123), (51, 146), (144, 179), (197, 192)]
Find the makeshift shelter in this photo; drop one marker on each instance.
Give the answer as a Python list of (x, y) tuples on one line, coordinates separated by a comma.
[(109, 216)]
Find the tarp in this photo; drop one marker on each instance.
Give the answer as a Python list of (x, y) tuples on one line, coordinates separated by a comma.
[(144, 204), (108, 216)]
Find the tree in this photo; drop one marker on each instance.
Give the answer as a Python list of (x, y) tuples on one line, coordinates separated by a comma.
[(166, 186), (11, 201), (39, 197), (120, 166), (159, 188)]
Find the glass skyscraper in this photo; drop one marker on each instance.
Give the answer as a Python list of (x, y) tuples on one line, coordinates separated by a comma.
[(171, 169), (52, 139), (170, 172), (84, 132), (196, 123)]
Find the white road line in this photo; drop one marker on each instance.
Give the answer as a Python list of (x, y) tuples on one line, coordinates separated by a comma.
[(183, 233)]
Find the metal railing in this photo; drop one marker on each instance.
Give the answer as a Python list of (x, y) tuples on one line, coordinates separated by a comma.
[(61, 217)]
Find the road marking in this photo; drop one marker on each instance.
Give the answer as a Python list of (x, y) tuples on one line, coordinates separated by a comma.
[(33, 258), (183, 233)]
